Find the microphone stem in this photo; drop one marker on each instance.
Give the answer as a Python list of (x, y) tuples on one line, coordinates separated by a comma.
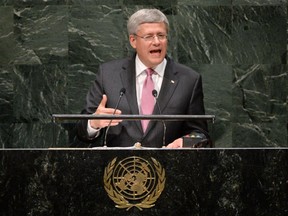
[(155, 93), (164, 126), (107, 129)]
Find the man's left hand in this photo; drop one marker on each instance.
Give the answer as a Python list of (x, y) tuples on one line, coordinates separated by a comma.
[(178, 143)]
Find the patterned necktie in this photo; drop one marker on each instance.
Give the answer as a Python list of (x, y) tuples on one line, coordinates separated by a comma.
[(147, 99)]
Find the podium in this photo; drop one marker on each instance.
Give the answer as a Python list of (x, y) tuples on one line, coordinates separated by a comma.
[(192, 181), (143, 181)]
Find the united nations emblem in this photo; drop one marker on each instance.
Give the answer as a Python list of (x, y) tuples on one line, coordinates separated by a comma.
[(134, 182)]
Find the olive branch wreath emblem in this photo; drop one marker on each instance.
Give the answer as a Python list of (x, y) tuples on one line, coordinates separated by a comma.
[(123, 203)]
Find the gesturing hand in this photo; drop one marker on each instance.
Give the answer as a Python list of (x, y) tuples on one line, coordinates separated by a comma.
[(102, 110)]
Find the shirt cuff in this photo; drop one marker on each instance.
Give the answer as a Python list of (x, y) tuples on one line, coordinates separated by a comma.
[(92, 132)]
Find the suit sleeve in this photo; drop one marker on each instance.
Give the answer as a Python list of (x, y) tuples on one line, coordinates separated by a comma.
[(196, 107)]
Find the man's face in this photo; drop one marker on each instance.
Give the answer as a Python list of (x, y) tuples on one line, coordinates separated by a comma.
[(151, 53)]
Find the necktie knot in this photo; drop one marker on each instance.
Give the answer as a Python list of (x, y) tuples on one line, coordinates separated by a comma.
[(149, 72)]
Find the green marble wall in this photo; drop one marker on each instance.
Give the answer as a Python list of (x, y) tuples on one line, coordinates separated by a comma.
[(50, 51)]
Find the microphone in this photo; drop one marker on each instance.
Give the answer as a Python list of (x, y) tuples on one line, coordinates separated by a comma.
[(122, 92), (155, 93)]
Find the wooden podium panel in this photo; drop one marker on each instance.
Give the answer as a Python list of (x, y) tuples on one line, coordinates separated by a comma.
[(160, 182)]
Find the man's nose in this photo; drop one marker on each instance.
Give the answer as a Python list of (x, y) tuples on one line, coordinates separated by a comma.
[(156, 40)]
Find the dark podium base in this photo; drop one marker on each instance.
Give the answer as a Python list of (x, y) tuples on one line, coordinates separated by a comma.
[(198, 182)]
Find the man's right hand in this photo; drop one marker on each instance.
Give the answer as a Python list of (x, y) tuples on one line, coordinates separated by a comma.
[(102, 110)]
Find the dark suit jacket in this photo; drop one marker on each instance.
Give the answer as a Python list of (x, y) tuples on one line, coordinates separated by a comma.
[(181, 93)]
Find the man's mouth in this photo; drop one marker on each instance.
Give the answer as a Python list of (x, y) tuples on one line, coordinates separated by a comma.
[(156, 51)]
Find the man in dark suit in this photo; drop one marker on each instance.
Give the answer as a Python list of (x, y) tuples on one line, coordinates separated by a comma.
[(179, 90)]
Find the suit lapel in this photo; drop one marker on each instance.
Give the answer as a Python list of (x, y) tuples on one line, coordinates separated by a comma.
[(170, 81), (129, 82)]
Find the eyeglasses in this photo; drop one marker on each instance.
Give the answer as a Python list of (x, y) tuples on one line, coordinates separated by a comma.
[(161, 37)]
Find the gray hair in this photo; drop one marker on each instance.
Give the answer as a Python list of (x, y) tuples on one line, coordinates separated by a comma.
[(145, 16)]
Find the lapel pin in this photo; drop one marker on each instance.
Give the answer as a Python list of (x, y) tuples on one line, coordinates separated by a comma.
[(172, 81)]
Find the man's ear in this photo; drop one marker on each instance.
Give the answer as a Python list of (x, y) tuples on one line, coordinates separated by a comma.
[(132, 40)]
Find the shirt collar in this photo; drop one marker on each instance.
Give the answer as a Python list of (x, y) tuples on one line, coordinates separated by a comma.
[(140, 67)]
